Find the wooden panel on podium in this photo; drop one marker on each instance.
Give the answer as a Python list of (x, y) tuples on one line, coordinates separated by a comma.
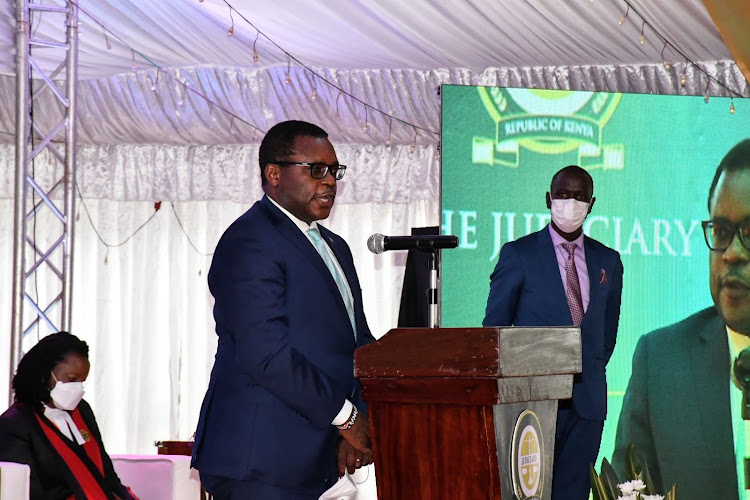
[(443, 404)]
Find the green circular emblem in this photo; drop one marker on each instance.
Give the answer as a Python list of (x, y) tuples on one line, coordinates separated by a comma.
[(548, 122)]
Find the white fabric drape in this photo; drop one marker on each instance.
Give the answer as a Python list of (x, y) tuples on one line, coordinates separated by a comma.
[(381, 174), (145, 309), (123, 109), (6, 278)]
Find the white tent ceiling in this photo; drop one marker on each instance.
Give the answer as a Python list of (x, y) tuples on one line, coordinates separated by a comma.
[(384, 35)]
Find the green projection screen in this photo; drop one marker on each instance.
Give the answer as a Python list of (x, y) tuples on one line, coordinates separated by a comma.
[(652, 159)]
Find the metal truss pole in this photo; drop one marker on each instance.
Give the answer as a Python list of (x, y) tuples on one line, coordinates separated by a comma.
[(71, 141), (19, 207), (43, 268)]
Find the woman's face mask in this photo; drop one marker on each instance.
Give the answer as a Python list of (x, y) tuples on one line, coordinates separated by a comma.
[(66, 395), (75, 369)]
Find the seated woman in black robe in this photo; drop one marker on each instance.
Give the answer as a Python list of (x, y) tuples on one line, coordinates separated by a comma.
[(53, 430)]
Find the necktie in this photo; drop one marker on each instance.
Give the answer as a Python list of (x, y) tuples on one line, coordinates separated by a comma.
[(320, 246), (573, 293)]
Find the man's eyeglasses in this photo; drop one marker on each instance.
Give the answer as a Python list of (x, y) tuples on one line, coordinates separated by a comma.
[(317, 170), (719, 235)]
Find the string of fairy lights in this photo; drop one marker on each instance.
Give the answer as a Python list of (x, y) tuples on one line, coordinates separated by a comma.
[(316, 75), (157, 207), (666, 44), (182, 88)]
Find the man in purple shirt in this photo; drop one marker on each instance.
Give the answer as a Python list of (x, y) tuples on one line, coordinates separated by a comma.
[(560, 277)]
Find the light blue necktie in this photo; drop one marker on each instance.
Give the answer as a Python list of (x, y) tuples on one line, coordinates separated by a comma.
[(320, 246)]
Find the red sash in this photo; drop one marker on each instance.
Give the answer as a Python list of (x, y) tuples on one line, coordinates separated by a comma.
[(90, 445), (85, 478)]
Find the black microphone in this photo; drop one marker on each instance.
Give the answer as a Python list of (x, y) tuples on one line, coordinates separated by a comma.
[(742, 375), (377, 243), (741, 370)]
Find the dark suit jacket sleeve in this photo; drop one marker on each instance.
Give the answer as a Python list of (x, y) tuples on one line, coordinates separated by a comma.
[(506, 282), (16, 446), (634, 425), (612, 313), (249, 281), (15, 439)]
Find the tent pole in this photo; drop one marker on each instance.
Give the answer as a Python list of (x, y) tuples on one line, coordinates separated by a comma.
[(71, 142), (19, 206), (48, 269)]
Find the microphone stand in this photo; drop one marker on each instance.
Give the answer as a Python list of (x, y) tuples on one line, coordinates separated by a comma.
[(745, 418), (430, 245), (742, 375), (432, 292)]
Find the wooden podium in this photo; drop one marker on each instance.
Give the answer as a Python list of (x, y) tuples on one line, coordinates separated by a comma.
[(466, 413)]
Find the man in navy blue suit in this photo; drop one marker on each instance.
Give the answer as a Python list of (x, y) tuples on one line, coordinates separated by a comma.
[(283, 412), (560, 277)]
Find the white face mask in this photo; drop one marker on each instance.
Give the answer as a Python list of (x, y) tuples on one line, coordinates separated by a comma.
[(569, 214), (66, 395)]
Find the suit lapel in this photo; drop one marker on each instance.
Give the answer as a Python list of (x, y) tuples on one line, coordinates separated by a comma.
[(594, 268), (349, 272), (338, 252), (709, 363), (548, 267), (286, 227)]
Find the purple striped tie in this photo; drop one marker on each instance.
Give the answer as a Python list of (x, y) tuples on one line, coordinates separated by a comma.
[(575, 303)]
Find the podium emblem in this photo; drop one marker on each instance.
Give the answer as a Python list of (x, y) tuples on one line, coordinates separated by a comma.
[(527, 457)]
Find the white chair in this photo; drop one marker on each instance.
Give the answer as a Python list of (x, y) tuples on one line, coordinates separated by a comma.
[(14, 481), (158, 477)]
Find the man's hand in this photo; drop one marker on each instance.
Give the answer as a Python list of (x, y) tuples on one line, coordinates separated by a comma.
[(350, 458), (359, 446)]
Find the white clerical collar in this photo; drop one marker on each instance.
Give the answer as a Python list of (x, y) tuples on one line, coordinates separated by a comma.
[(64, 422)]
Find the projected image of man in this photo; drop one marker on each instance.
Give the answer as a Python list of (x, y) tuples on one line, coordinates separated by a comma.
[(682, 409), (560, 277)]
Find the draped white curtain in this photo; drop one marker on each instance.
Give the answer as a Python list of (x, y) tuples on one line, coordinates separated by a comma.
[(145, 309), (144, 306), (124, 110)]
